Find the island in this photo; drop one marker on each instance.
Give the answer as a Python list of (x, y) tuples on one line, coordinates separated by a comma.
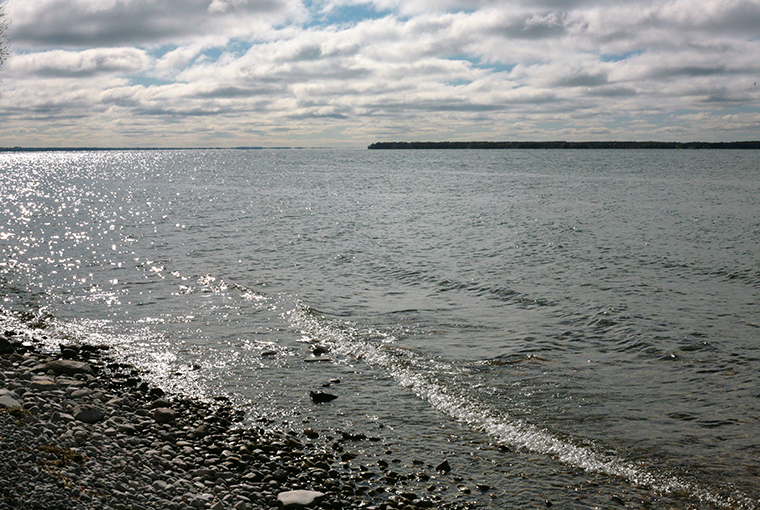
[(566, 145)]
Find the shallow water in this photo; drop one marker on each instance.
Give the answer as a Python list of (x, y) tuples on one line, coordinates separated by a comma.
[(567, 325)]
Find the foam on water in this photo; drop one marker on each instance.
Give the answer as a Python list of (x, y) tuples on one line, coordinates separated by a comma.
[(440, 383)]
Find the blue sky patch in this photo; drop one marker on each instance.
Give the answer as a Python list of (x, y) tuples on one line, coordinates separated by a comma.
[(344, 14)]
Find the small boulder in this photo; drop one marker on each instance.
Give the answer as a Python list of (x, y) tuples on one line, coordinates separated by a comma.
[(443, 467), (43, 384), (164, 414), (319, 349), (8, 399), (160, 403), (321, 396), (299, 499), (69, 353), (6, 347), (156, 393), (88, 413), (66, 367)]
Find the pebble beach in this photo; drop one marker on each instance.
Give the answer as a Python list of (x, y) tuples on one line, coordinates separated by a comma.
[(80, 430)]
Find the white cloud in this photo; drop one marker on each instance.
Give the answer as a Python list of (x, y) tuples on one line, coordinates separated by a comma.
[(79, 64), (446, 69)]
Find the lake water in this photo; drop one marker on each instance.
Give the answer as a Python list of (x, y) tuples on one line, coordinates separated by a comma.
[(581, 327)]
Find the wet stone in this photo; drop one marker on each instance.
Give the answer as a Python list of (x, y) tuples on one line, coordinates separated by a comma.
[(164, 414), (89, 413), (299, 498)]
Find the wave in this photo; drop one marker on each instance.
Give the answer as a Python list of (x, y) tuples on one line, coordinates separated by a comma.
[(444, 386)]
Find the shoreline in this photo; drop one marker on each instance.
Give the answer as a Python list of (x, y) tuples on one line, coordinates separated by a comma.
[(560, 145), (80, 430)]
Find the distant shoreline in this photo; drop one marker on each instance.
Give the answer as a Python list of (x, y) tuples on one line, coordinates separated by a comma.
[(565, 145), (752, 145)]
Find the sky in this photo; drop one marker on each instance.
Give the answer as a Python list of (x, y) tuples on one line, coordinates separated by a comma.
[(346, 73)]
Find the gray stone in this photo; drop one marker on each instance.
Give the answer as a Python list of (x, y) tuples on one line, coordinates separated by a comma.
[(88, 413), (43, 384), (164, 415), (66, 367), (299, 498), (160, 403), (6, 400), (11, 393)]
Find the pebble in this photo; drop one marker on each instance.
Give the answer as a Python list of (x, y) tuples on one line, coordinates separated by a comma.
[(79, 435), (88, 413), (299, 498)]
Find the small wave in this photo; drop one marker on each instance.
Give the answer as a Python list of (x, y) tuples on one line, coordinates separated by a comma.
[(439, 383)]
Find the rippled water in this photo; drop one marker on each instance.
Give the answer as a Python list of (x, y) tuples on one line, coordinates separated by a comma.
[(565, 325)]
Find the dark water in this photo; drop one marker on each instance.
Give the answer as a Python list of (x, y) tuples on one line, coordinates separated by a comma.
[(578, 326)]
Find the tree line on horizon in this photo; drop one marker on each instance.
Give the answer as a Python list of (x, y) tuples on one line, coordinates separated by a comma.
[(566, 145)]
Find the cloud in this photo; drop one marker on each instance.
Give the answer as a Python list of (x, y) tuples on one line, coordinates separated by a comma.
[(349, 71), (88, 23), (82, 64)]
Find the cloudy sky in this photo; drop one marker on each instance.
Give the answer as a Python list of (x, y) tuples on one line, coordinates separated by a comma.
[(345, 73)]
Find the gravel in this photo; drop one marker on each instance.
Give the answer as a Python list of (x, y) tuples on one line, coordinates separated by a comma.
[(79, 430)]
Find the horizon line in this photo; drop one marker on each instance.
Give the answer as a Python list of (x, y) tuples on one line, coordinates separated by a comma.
[(535, 144)]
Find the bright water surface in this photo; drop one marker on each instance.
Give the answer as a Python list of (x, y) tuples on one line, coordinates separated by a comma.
[(577, 326)]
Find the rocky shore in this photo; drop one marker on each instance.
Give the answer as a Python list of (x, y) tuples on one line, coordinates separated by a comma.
[(79, 430)]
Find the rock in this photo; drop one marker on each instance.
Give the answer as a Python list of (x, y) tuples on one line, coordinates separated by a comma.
[(164, 414), (43, 384), (443, 467), (115, 402), (160, 403), (319, 349), (66, 367), (129, 459), (88, 413), (6, 347), (299, 498), (69, 353), (320, 396), (7, 401), (156, 393), (201, 430)]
